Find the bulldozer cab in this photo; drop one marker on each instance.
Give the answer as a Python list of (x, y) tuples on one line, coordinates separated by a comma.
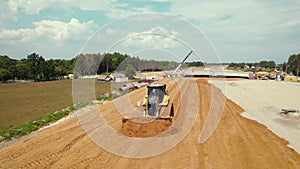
[(156, 99)]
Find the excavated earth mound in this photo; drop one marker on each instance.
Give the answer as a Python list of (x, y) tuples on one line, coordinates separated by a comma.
[(144, 127)]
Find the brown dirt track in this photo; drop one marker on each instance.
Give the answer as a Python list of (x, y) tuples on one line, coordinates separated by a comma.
[(236, 143)]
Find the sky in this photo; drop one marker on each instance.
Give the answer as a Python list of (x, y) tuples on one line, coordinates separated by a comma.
[(217, 31)]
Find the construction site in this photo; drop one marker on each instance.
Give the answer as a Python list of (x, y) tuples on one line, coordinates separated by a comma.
[(237, 142), (217, 120)]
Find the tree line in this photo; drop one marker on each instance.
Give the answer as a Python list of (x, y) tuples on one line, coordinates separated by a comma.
[(260, 65), (194, 64), (291, 66), (34, 67), (91, 64)]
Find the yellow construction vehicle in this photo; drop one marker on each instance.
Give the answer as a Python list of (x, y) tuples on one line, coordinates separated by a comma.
[(154, 104), (157, 98)]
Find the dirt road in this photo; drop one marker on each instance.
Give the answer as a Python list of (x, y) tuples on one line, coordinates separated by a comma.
[(236, 143)]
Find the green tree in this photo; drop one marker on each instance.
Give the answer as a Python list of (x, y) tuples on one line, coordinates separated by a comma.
[(22, 69), (87, 64), (8, 64), (49, 70), (4, 75), (129, 71), (294, 64), (36, 65), (194, 64), (263, 64), (267, 64), (271, 64)]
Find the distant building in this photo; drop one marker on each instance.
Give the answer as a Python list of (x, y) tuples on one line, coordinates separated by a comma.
[(71, 76), (119, 77)]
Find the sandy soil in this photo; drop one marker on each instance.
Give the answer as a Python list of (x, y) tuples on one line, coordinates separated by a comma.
[(263, 101), (237, 142)]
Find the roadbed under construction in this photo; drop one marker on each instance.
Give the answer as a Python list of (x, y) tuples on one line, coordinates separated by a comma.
[(236, 143)]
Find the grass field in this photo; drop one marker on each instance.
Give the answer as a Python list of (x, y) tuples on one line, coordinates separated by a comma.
[(23, 102)]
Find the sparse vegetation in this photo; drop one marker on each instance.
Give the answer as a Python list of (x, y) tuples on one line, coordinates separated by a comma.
[(29, 104), (24, 102), (27, 128)]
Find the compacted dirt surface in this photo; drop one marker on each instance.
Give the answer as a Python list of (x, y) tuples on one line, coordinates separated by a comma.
[(237, 142)]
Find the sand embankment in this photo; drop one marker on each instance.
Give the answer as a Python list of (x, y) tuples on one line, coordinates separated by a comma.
[(263, 101)]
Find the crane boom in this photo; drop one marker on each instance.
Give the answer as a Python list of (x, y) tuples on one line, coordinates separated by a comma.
[(182, 62)]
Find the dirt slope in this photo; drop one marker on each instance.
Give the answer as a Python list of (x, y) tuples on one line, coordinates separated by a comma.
[(236, 143)]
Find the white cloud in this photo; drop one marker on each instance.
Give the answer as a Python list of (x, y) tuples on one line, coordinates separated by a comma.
[(116, 13), (49, 36), (29, 6), (247, 19), (6, 13), (229, 23), (110, 31), (237, 24), (112, 8), (34, 6), (156, 37), (51, 30)]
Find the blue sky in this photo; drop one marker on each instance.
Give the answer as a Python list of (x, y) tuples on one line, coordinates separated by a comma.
[(238, 31)]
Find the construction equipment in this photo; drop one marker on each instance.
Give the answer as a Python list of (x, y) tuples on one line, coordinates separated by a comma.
[(174, 72), (154, 103), (135, 85), (157, 98)]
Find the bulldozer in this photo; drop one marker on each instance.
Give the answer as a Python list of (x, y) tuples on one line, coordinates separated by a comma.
[(154, 103), (156, 98)]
